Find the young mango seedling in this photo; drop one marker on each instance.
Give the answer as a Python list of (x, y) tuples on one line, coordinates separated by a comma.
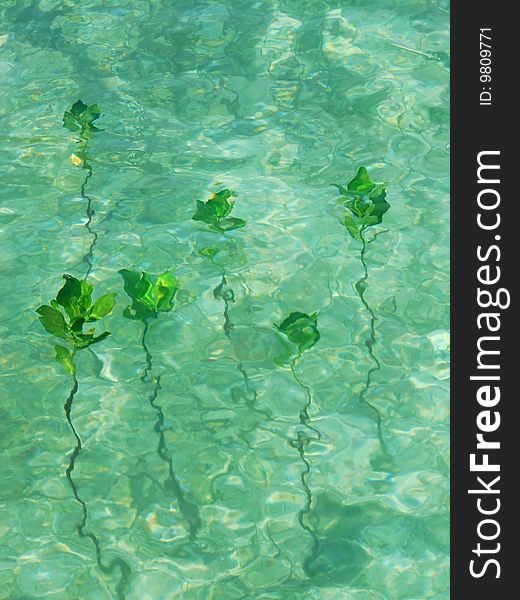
[(365, 202), (301, 330), (366, 205), (67, 317), (215, 212), (80, 120), (80, 117), (225, 293), (150, 297), (69, 313)]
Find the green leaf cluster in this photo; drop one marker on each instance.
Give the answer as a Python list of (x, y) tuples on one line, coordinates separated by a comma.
[(301, 329), (66, 359), (72, 308), (149, 297), (81, 117), (365, 202), (215, 211), (68, 313)]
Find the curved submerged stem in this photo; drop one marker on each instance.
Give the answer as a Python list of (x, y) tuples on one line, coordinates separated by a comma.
[(189, 511), (88, 258), (228, 327), (123, 566), (228, 324), (370, 342), (147, 353), (301, 443)]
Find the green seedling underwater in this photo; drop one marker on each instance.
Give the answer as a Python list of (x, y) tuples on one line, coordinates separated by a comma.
[(215, 212), (70, 313), (225, 293), (80, 120), (366, 205), (67, 317), (301, 330), (365, 202), (150, 297)]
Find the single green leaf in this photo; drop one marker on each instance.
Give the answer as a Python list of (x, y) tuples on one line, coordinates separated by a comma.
[(204, 213), (130, 280), (64, 357), (75, 296), (83, 340), (78, 108), (301, 329), (209, 252), (53, 321), (100, 338), (164, 291), (70, 291), (103, 306), (361, 183), (381, 206), (230, 223), (144, 291), (138, 286), (342, 190), (70, 122)]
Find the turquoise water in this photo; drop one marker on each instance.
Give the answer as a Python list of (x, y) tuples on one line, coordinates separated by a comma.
[(208, 469)]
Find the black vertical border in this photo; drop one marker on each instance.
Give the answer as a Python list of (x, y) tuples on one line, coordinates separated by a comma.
[(476, 128)]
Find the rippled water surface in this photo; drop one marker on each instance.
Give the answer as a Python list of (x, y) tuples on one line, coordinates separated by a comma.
[(209, 469)]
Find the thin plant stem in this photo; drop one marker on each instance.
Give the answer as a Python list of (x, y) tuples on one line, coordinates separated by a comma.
[(123, 566), (370, 342), (88, 258), (189, 511), (301, 443), (228, 328)]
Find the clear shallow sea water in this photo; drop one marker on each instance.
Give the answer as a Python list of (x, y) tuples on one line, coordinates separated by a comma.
[(213, 500)]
